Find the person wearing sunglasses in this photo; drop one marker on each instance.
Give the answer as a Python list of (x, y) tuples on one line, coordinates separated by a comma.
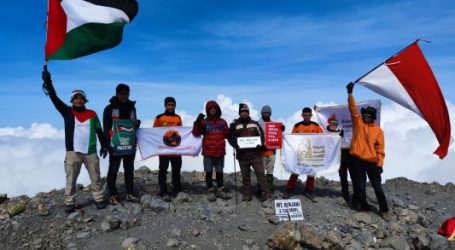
[(367, 151)]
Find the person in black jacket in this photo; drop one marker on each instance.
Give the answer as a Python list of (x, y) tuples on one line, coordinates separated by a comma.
[(249, 158), (81, 127), (120, 108)]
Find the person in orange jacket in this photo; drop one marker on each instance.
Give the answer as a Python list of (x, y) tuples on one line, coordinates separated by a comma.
[(367, 151), (169, 119), (304, 127)]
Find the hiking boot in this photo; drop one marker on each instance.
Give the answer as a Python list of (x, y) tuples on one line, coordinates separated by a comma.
[(211, 195), (100, 205), (114, 200), (309, 195), (166, 198), (132, 198), (222, 194), (347, 198), (70, 209), (387, 216), (258, 191), (287, 194)]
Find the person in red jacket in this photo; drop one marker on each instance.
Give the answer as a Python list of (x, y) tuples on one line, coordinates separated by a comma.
[(304, 127), (215, 130)]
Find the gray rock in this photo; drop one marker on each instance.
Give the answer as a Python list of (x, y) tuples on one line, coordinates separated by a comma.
[(137, 209), (176, 232), (195, 233), (43, 209), (182, 197), (110, 223), (334, 240), (129, 243), (172, 243), (75, 217), (354, 245), (398, 202), (146, 198), (365, 218), (82, 235), (71, 245), (396, 242), (158, 205), (395, 227), (16, 225), (274, 220)]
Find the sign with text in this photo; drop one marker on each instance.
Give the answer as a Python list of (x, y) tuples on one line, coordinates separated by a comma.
[(273, 135), (311, 153), (123, 140), (249, 141), (290, 209)]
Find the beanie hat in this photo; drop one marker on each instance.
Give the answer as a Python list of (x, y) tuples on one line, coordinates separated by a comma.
[(332, 118), (78, 92), (266, 109), (243, 107), (369, 110), (122, 88), (169, 99)]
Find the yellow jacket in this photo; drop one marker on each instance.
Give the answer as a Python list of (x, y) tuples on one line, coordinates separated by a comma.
[(367, 139)]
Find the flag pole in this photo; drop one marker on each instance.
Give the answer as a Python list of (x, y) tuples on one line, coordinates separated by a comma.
[(358, 79), (45, 59), (235, 178)]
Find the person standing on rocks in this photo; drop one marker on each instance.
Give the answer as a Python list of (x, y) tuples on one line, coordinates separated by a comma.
[(304, 127), (242, 127), (121, 108), (332, 127), (169, 119), (215, 130), (81, 128), (367, 150), (268, 156)]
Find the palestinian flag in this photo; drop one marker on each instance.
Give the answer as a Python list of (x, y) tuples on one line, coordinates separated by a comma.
[(407, 79), (77, 28)]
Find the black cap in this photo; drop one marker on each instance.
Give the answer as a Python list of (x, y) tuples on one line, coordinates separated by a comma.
[(369, 110), (169, 99), (122, 88), (243, 107)]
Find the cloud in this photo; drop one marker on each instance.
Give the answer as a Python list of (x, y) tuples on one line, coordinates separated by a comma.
[(32, 158)]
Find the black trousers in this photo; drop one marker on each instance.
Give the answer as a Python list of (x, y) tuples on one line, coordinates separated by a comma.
[(359, 171), (128, 167), (176, 166), (346, 162)]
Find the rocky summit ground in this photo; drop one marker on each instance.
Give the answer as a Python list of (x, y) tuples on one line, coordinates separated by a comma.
[(189, 221)]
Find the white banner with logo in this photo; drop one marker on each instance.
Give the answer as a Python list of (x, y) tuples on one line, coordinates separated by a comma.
[(341, 113), (311, 153), (167, 141)]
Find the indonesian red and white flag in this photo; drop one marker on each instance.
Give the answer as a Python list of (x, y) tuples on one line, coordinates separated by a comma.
[(407, 79)]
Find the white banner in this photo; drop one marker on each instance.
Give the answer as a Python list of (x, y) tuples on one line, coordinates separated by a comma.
[(311, 153), (341, 113), (167, 141)]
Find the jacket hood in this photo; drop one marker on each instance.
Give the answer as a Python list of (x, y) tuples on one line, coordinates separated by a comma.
[(115, 102), (213, 104)]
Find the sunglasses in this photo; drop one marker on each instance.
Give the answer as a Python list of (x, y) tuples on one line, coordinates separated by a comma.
[(367, 116)]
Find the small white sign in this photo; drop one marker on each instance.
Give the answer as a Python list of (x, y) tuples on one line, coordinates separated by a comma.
[(249, 142), (289, 210)]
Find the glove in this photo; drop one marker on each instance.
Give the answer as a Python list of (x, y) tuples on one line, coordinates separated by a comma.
[(200, 117), (47, 81), (380, 170), (283, 127), (342, 133), (104, 152), (350, 87)]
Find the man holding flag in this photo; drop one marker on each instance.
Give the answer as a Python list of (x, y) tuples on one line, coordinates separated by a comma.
[(81, 128)]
